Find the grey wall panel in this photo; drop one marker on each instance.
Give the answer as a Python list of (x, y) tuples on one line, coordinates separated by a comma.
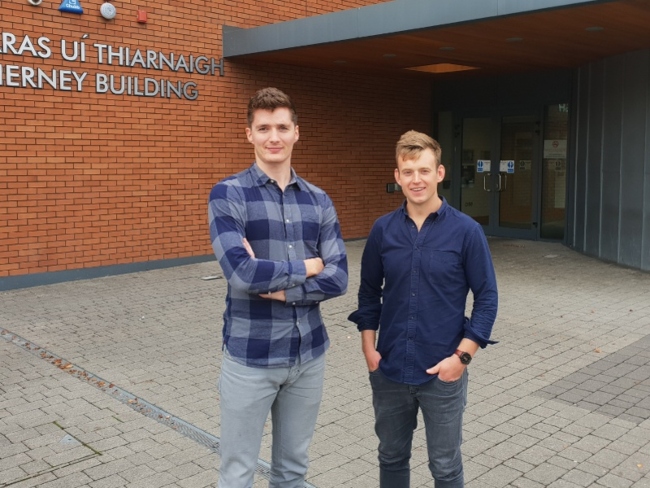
[(509, 7), (569, 225), (594, 162), (407, 15), (613, 92), (612, 127), (645, 256), (580, 165), (635, 92)]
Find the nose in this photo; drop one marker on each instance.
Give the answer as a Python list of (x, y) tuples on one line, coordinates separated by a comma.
[(275, 134), (416, 176)]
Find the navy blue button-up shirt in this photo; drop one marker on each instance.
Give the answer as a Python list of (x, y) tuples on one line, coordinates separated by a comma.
[(414, 287)]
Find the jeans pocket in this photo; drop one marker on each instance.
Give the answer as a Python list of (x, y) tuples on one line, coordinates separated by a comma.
[(451, 383)]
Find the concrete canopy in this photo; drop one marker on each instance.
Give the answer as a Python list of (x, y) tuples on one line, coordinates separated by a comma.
[(491, 36)]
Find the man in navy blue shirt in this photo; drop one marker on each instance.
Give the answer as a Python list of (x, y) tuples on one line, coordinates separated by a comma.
[(418, 266), (278, 241)]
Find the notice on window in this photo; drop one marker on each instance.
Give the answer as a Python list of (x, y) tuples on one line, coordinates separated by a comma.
[(507, 166), (555, 149), (483, 165)]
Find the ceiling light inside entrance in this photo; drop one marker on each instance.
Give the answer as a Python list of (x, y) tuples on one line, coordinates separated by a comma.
[(442, 68)]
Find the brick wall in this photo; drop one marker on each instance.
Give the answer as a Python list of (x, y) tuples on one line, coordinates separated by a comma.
[(96, 179)]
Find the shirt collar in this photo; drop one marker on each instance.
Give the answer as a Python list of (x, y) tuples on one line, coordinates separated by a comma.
[(260, 178), (441, 211)]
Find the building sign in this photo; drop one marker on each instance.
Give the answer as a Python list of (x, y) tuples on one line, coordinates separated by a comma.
[(22, 76), (71, 6)]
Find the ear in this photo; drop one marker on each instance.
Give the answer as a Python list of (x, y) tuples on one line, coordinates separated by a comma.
[(249, 135), (441, 173), (397, 176), (297, 133)]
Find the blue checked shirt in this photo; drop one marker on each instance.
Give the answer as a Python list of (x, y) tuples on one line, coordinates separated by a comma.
[(284, 229)]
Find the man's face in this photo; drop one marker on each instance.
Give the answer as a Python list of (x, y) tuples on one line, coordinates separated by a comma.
[(419, 178), (273, 135)]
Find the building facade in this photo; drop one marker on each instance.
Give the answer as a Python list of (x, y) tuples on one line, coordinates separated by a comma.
[(113, 130)]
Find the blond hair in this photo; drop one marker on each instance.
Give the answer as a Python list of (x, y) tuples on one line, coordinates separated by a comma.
[(412, 143)]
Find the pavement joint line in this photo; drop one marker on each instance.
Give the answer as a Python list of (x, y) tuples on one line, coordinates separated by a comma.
[(50, 469), (147, 409)]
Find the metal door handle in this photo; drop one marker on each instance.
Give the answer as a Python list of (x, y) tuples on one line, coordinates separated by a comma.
[(484, 187), (505, 182)]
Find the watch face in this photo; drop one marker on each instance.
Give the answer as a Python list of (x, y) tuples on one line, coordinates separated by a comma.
[(465, 358)]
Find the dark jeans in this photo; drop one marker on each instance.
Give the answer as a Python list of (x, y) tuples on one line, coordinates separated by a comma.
[(396, 409)]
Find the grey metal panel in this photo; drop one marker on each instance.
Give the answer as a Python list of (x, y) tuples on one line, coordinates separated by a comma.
[(635, 93), (612, 164), (509, 7), (304, 32), (645, 239), (580, 172), (320, 30), (594, 159), (569, 226), (375, 20), (408, 15), (624, 208)]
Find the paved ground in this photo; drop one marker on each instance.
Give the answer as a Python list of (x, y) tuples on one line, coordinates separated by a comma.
[(111, 382)]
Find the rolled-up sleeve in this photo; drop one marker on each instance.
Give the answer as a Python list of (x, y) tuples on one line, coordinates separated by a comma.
[(481, 278), (368, 312)]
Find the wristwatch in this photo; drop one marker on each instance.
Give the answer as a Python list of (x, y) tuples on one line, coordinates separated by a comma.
[(465, 357)]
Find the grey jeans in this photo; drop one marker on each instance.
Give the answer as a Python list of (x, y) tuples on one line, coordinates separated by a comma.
[(396, 409), (247, 395)]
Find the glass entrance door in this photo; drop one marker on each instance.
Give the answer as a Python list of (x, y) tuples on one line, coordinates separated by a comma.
[(499, 174)]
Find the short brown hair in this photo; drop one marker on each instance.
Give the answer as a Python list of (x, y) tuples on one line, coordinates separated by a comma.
[(412, 143), (269, 99)]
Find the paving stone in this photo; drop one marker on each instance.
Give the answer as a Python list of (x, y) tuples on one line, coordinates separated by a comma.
[(157, 335), (545, 473), (500, 476)]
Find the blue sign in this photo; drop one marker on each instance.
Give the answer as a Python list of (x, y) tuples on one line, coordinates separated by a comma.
[(71, 6), (511, 166)]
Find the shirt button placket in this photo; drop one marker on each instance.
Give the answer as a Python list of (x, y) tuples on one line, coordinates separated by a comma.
[(288, 227), (412, 316)]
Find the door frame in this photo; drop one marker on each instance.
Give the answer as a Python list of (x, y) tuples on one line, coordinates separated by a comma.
[(497, 115)]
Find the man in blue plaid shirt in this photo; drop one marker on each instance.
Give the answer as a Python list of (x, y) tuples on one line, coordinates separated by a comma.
[(278, 241)]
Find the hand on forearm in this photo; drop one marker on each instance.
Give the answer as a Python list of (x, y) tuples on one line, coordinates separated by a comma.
[(279, 295), (249, 249), (314, 266)]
